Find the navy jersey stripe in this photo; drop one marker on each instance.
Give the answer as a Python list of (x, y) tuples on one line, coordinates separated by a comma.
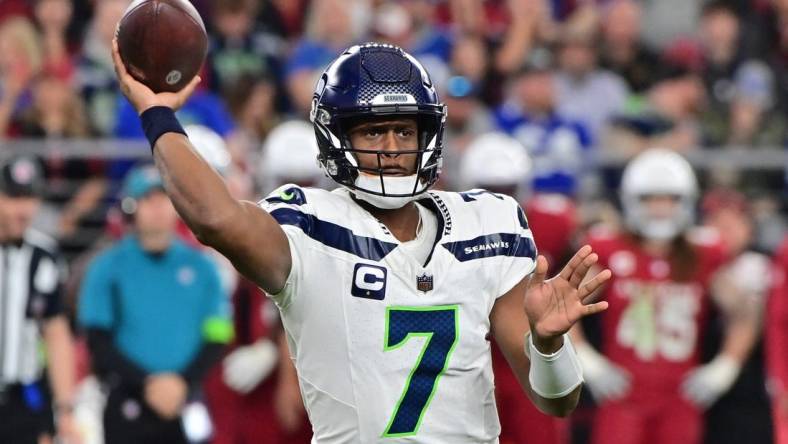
[(498, 244), (333, 235)]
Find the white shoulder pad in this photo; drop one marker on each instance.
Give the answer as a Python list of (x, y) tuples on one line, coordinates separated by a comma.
[(483, 212)]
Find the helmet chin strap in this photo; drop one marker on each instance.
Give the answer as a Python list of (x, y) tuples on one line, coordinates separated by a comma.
[(394, 185)]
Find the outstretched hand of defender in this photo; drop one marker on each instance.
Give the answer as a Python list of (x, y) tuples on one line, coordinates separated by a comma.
[(142, 97), (555, 304)]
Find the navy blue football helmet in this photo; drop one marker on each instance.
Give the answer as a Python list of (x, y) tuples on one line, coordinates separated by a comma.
[(368, 81)]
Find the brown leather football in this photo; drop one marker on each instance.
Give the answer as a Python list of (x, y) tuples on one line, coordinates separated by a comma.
[(162, 43)]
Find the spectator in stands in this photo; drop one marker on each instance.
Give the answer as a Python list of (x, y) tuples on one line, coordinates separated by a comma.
[(742, 414), (240, 47), (766, 38), (741, 90), (517, 35), (664, 21), (468, 119), (32, 276), (78, 184), (410, 24), (622, 50), (470, 59), (332, 26), (53, 18), (202, 108), (666, 117), (585, 92), (156, 321), (21, 59), (252, 101), (11, 8), (290, 15), (95, 77), (557, 145), (56, 111)]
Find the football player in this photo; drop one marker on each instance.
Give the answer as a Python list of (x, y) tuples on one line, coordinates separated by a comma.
[(388, 291), (776, 344), (647, 378), (506, 170)]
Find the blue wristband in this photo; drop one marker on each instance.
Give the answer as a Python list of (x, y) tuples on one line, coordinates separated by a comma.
[(157, 121)]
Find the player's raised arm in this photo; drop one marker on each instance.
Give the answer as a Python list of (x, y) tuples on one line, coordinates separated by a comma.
[(240, 230), (550, 375)]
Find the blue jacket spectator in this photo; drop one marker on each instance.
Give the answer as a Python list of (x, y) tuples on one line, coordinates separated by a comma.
[(202, 108), (558, 146)]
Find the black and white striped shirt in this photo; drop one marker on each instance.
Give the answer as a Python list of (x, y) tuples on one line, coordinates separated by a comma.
[(31, 277)]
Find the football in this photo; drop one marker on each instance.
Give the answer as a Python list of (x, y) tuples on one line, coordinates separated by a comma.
[(162, 43)]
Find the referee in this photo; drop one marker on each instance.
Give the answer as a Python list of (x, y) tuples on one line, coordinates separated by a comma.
[(31, 312)]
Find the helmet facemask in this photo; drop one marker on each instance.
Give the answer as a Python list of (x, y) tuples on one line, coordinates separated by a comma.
[(640, 219), (373, 183), (366, 83)]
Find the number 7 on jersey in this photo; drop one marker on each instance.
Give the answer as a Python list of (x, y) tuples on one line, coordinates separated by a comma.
[(439, 325)]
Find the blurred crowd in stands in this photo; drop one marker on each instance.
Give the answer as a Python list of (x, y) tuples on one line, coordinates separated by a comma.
[(579, 87)]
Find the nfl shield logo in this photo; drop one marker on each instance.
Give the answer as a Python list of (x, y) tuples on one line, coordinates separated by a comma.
[(424, 282)]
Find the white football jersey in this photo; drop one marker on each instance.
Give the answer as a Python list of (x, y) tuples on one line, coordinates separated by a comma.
[(388, 349)]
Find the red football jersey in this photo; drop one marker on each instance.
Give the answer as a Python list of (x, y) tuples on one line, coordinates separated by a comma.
[(777, 322), (653, 325), (553, 221)]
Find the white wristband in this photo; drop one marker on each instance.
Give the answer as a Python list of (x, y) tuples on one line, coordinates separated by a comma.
[(555, 375)]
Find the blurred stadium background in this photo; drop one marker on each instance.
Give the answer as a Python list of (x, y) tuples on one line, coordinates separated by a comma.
[(582, 85)]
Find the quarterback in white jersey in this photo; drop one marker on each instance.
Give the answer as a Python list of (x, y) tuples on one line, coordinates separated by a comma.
[(387, 343), (389, 292)]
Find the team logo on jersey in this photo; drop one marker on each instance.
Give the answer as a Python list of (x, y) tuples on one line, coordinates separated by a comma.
[(292, 196), (424, 282), (186, 276), (369, 282)]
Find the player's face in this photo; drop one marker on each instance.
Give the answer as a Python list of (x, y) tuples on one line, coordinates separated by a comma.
[(392, 136)]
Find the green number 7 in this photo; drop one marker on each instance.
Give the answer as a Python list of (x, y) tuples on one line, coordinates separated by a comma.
[(440, 326)]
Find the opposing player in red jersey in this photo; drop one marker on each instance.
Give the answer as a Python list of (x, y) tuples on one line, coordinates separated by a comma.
[(647, 379), (777, 345), (498, 163)]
